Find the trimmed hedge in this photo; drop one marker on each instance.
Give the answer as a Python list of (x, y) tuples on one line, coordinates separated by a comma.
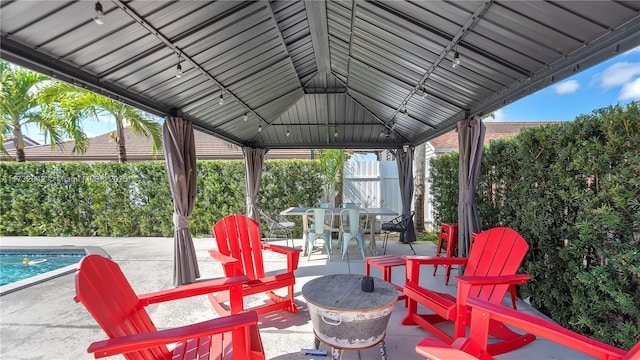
[(573, 191), (134, 199)]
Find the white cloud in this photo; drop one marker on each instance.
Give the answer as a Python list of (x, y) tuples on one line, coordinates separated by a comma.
[(619, 74), (567, 87), (630, 91), (498, 116)]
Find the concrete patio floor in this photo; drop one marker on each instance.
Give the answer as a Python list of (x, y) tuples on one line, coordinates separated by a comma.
[(44, 322)]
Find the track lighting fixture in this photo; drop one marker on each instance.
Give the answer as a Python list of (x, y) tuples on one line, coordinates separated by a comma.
[(99, 18), (424, 93), (404, 113), (221, 101), (245, 117), (288, 133), (456, 60), (259, 128), (178, 69)]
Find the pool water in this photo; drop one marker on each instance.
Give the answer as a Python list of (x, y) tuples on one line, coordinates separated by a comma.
[(13, 269)]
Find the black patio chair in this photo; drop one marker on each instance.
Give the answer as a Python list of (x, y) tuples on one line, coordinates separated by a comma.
[(399, 225), (281, 228)]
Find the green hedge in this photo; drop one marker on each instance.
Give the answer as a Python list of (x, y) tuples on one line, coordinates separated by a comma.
[(134, 199), (573, 191)]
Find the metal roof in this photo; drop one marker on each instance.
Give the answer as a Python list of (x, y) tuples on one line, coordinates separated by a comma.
[(317, 74)]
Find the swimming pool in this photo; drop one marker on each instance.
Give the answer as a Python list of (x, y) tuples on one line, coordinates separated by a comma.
[(21, 267)]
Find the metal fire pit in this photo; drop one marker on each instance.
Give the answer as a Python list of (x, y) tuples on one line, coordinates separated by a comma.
[(344, 316)]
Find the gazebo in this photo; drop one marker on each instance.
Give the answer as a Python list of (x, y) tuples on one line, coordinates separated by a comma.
[(317, 74)]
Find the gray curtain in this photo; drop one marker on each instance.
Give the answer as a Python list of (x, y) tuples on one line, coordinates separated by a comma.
[(471, 139), (180, 156), (404, 160), (253, 159)]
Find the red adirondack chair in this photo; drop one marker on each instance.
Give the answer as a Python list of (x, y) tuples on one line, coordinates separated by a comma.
[(103, 289), (490, 269), (240, 252), (484, 312), (449, 235)]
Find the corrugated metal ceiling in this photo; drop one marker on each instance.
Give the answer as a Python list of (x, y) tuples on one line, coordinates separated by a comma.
[(316, 74)]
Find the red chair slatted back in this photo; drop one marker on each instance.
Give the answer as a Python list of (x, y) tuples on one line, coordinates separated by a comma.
[(239, 237), (498, 251), (105, 292)]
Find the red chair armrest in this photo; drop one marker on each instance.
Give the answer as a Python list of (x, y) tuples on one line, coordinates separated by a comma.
[(414, 263), (493, 280), (124, 344), (224, 259), (190, 290), (293, 254), (281, 249), (436, 260)]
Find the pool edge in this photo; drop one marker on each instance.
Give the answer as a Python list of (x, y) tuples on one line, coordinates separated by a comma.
[(18, 285)]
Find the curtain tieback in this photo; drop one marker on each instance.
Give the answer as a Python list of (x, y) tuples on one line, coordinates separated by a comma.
[(180, 221), (468, 196)]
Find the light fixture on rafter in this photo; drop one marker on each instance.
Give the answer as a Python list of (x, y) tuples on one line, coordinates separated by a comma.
[(99, 18), (424, 93), (456, 58), (404, 113), (245, 117), (335, 133), (179, 69), (288, 133), (221, 101), (259, 128)]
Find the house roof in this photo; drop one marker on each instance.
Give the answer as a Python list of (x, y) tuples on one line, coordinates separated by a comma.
[(8, 141), (101, 148), (495, 130), (315, 69)]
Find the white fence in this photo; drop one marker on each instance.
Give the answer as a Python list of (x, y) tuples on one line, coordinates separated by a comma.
[(375, 184)]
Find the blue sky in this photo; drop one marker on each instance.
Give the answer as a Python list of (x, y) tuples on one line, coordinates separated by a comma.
[(615, 81)]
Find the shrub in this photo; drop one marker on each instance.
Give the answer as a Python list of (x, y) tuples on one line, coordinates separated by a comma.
[(573, 191), (134, 199)]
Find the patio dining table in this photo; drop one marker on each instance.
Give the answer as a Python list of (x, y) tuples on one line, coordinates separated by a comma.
[(372, 212)]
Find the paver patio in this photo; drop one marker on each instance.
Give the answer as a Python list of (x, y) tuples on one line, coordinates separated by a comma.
[(43, 321)]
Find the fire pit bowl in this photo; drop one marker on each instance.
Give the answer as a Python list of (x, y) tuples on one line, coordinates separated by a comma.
[(344, 316)]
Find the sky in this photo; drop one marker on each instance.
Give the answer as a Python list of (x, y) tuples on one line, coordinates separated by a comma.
[(615, 81)]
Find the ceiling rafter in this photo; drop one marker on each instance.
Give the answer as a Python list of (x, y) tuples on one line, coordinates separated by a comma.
[(353, 22), (468, 25), (155, 32), (283, 43), (317, 16), (354, 5), (389, 125)]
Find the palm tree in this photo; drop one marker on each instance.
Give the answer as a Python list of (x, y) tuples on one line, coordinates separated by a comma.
[(331, 168), (27, 97), (139, 122)]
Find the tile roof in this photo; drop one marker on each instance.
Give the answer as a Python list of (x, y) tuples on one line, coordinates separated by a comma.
[(495, 130), (102, 148)]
